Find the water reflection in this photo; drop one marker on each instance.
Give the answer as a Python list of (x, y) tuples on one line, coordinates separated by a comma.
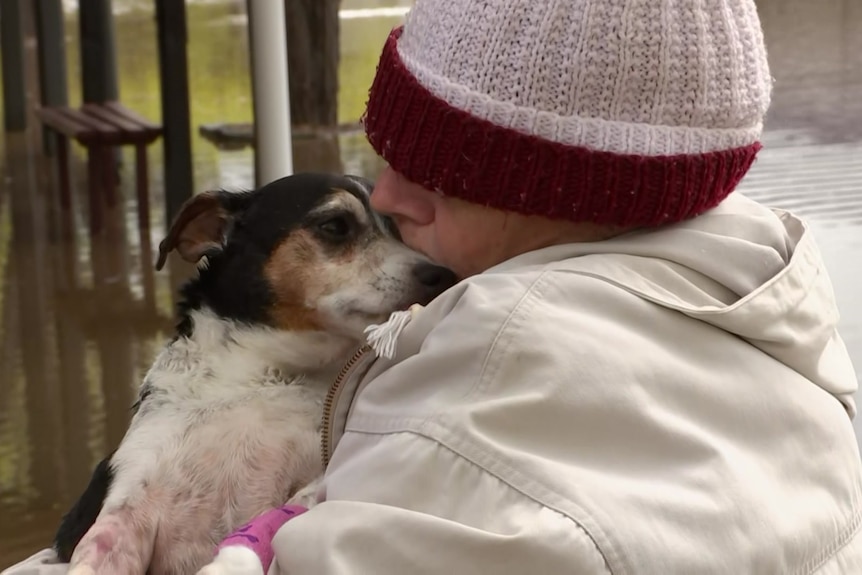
[(81, 317)]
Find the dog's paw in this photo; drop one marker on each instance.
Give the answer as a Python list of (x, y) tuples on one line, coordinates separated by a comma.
[(310, 495), (234, 560)]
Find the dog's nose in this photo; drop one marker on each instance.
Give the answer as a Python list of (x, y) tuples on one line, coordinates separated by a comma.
[(435, 279)]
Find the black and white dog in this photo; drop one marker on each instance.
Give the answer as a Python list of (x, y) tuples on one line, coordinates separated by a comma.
[(227, 422)]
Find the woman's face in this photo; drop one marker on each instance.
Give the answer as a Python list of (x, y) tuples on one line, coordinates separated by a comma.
[(470, 238), (464, 237)]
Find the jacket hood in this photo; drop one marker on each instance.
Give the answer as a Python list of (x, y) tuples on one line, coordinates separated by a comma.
[(744, 268)]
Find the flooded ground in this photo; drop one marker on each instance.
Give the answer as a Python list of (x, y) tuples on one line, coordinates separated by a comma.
[(81, 319)]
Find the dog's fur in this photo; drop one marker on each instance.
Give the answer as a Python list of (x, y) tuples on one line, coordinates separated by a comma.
[(227, 421)]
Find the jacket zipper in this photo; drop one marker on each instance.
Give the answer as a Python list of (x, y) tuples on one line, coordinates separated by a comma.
[(331, 399)]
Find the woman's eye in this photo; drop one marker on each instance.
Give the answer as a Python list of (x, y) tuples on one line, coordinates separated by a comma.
[(336, 227)]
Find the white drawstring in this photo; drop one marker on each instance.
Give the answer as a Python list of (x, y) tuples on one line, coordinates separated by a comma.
[(383, 337)]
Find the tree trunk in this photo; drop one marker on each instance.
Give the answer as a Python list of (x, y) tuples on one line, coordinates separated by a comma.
[(313, 54)]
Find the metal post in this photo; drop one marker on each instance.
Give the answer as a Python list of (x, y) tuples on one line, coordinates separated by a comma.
[(12, 56), (176, 118), (98, 51), (268, 47), (50, 32)]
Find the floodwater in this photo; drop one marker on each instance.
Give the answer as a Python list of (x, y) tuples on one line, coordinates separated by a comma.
[(81, 318)]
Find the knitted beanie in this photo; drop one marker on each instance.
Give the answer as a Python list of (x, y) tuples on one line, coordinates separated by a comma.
[(625, 112)]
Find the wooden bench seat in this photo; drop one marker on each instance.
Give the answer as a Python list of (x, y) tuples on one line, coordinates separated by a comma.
[(100, 128)]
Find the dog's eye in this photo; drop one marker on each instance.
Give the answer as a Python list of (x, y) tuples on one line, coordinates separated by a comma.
[(337, 227)]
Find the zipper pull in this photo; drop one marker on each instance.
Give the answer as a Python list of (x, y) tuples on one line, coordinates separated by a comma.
[(383, 337)]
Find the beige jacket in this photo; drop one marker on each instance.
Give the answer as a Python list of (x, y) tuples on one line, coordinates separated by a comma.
[(667, 402)]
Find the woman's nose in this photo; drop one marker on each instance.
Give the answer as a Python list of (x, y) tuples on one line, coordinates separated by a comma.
[(382, 197), (400, 198)]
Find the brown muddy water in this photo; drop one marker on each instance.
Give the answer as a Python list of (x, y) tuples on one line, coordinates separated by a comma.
[(81, 318)]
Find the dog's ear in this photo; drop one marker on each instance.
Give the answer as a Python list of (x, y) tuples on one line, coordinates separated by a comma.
[(364, 184), (201, 227)]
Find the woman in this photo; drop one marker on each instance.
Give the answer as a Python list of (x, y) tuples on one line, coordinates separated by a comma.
[(640, 371)]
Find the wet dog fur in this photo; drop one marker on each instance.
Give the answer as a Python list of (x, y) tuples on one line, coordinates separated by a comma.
[(227, 421)]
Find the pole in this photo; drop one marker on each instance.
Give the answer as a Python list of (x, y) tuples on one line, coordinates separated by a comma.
[(52, 60), (271, 101), (98, 56), (176, 117), (12, 57), (98, 52)]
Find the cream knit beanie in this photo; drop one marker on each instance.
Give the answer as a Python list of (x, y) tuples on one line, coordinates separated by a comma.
[(627, 112)]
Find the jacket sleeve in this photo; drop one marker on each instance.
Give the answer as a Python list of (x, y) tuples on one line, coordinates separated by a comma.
[(403, 495), (404, 522)]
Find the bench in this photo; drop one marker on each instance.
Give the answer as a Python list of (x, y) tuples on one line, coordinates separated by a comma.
[(100, 128)]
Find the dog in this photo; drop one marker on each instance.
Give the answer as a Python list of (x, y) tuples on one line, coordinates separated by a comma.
[(227, 422)]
